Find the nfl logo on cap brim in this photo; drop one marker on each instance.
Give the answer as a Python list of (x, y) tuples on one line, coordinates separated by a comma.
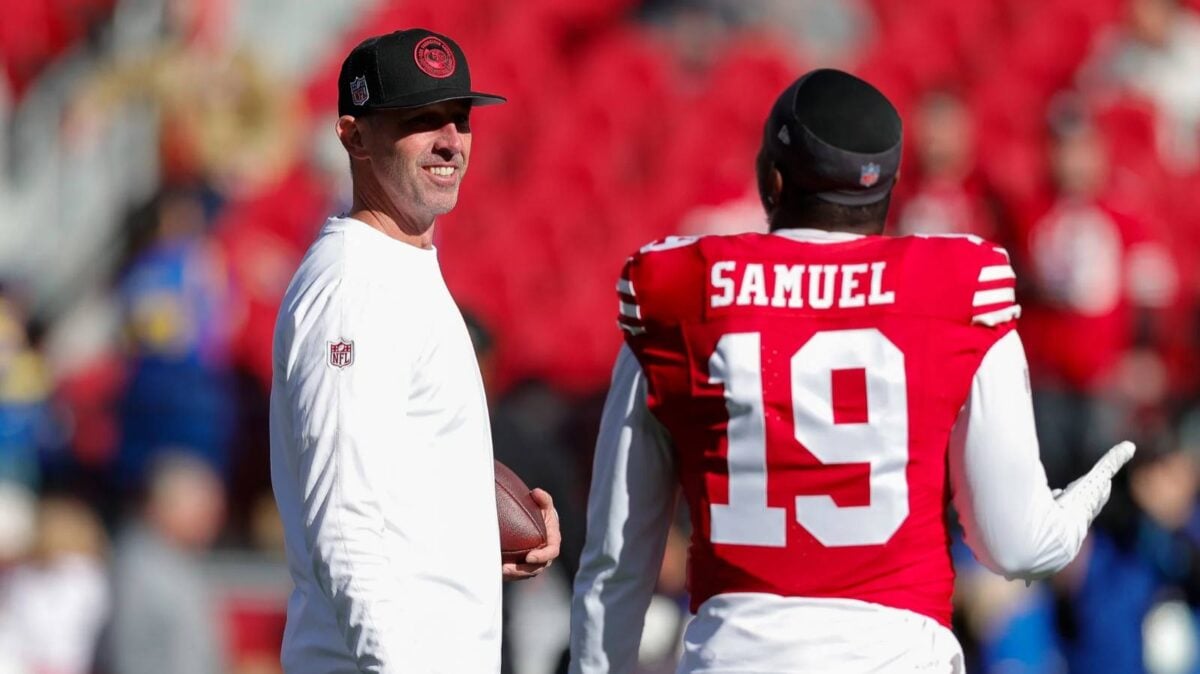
[(358, 91), (869, 175)]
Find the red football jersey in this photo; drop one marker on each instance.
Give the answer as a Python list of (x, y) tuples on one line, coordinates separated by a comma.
[(809, 388)]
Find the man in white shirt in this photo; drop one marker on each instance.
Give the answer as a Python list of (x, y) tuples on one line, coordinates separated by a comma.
[(381, 454)]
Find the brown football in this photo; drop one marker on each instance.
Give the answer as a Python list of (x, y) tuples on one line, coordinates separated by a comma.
[(521, 525)]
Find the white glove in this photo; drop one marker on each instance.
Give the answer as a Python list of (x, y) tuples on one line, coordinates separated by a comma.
[(1089, 493), (1084, 498)]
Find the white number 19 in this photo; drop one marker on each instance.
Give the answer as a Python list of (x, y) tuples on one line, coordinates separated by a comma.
[(881, 442)]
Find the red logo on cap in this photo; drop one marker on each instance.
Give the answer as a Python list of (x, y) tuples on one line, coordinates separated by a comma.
[(434, 57), (869, 175)]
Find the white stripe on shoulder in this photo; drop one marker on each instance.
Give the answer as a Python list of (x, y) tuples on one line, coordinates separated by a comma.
[(993, 296), (996, 272), (994, 318), (631, 310), (625, 286), (669, 243), (1000, 249), (634, 330)]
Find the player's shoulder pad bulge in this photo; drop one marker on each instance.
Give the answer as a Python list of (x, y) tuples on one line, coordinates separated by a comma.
[(976, 277), (661, 284)]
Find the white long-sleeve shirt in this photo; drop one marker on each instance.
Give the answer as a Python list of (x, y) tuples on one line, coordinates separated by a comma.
[(1012, 521), (381, 462)]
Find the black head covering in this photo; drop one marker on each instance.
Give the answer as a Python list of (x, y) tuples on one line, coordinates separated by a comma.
[(406, 69), (836, 137)]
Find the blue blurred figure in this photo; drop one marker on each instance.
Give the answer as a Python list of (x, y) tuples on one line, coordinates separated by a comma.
[(174, 296)]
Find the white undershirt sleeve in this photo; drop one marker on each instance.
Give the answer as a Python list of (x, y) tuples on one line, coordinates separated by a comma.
[(346, 450), (1013, 522), (630, 508)]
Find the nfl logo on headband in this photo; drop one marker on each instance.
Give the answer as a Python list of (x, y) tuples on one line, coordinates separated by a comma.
[(869, 175), (358, 91)]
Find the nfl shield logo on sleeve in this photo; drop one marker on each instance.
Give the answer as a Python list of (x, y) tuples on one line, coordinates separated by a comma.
[(358, 91), (341, 354), (869, 175)]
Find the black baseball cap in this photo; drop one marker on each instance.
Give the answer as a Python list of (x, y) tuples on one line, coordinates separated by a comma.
[(836, 137), (406, 69)]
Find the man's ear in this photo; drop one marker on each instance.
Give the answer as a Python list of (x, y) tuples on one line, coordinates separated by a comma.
[(771, 188), (350, 131), (775, 185), (770, 181)]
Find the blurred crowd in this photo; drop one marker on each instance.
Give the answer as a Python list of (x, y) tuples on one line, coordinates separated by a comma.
[(165, 163)]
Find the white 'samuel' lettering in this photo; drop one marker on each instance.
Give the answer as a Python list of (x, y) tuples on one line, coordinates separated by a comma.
[(794, 286)]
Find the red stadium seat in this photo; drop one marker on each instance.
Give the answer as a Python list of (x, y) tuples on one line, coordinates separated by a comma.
[(922, 52), (253, 628), (1048, 51), (626, 71), (894, 13), (750, 73), (1004, 105), (1128, 124), (583, 14), (1016, 167), (30, 35)]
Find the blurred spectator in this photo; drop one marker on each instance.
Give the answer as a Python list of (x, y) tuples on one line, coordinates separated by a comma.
[(826, 33), (265, 527), (691, 28), (25, 420), (1008, 627), (1091, 271), (53, 606), (1145, 556), (944, 194), (175, 300), (18, 517), (1123, 592), (163, 620), (223, 117), (1156, 56)]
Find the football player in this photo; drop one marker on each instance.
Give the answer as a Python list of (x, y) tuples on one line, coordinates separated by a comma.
[(820, 393)]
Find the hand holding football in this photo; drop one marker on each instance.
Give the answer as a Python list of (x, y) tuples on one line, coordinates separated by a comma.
[(522, 528)]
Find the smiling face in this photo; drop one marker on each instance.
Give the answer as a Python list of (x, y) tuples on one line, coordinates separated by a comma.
[(418, 156)]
